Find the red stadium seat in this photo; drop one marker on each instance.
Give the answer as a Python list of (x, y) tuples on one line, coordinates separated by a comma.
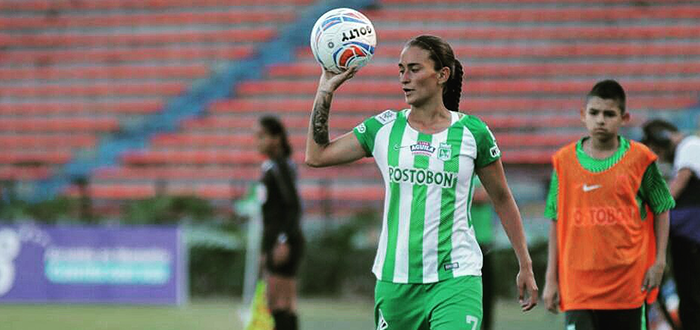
[(95, 89), (75, 39), (622, 49), (127, 54), (52, 108), (489, 70), (41, 157), (235, 16), (71, 125), (371, 106), (478, 87), (133, 4), (53, 141), (579, 14), (152, 70), (24, 173), (547, 34), (517, 1)]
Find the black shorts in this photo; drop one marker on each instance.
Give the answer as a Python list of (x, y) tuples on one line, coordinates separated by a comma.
[(291, 266), (600, 319)]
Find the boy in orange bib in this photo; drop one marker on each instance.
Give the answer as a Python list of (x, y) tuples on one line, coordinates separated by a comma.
[(609, 203)]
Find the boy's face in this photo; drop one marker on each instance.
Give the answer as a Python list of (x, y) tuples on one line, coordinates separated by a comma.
[(603, 118)]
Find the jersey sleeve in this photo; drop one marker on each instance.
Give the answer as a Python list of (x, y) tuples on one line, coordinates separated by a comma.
[(550, 210), (487, 149), (654, 190), (366, 132)]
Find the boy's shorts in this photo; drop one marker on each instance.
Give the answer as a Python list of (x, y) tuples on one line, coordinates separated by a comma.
[(453, 304), (614, 319)]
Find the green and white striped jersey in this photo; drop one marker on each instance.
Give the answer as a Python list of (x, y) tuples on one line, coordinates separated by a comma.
[(427, 235)]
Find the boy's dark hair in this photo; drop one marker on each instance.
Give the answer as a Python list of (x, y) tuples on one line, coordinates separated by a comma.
[(609, 90), (274, 127), (657, 133), (442, 55)]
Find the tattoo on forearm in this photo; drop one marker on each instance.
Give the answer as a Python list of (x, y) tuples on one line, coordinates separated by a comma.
[(319, 118)]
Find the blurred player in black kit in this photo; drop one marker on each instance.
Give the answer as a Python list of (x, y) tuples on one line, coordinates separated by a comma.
[(283, 242)]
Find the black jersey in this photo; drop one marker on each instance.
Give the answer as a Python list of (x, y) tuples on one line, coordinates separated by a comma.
[(281, 208)]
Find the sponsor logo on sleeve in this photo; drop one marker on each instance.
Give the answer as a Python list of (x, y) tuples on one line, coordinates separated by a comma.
[(386, 117), (495, 152), (361, 128)]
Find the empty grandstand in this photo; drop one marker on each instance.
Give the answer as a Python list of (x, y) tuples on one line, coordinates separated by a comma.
[(147, 97)]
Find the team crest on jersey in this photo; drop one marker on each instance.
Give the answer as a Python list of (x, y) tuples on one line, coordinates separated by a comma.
[(445, 152), (386, 117), (422, 148)]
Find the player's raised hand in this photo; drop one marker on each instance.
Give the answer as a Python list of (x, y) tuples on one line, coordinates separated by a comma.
[(551, 297), (526, 283), (330, 81)]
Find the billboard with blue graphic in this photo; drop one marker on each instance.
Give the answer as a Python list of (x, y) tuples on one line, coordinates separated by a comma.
[(136, 265)]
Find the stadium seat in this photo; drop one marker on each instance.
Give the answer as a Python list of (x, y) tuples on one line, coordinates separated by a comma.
[(127, 54), (486, 70), (74, 39), (539, 15), (144, 19), (39, 5), (128, 71), (79, 108)]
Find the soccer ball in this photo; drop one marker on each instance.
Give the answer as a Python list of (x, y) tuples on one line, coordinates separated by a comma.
[(343, 38)]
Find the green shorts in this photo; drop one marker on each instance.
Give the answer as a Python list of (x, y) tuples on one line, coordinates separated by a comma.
[(447, 305)]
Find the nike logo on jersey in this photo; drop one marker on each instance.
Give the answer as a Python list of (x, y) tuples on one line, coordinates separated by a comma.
[(587, 188)]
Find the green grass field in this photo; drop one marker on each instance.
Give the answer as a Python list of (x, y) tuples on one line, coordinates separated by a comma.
[(315, 314)]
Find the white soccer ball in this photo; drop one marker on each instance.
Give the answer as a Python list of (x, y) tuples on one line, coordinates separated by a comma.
[(343, 38)]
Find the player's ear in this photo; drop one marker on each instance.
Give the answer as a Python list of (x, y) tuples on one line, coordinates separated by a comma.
[(582, 112), (444, 75), (626, 117)]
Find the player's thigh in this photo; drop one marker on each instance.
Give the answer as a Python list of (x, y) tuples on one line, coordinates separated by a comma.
[(399, 307), (580, 320), (457, 304)]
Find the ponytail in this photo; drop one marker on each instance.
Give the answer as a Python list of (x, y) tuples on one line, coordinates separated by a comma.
[(452, 91)]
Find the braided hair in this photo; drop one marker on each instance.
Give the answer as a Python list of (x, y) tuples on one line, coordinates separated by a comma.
[(442, 55), (274, 127)]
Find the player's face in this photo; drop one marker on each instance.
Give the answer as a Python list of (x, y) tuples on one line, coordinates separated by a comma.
[(603, 118), (266, 143), (419, 80)]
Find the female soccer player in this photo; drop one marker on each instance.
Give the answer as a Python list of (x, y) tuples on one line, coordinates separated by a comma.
[(283, 241), (428, 264)]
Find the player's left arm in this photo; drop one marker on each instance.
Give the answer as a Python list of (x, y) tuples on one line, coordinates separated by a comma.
[(494, 181), (652, 279), (656, 194)]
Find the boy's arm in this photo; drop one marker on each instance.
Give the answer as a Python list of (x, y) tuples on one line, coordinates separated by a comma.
[(551, 284), (655, 192), (652, 279)]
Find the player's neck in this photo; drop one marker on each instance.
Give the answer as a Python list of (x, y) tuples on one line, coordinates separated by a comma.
[(601, 149), (430, 118)]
